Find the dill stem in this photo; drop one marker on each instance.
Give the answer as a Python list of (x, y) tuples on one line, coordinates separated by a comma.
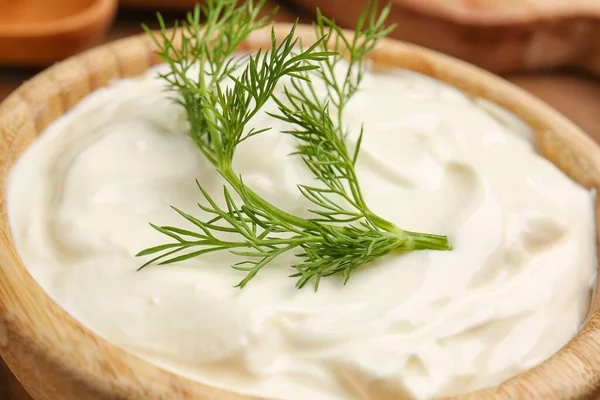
[(237, 184), (417, 240), (427, 241), (410, 240)]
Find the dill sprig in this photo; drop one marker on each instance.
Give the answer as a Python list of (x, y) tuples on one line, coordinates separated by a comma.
[(344, 234)]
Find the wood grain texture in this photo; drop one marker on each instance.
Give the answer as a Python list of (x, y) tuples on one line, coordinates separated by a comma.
[(10, 389), (499, 35), (55, 357)]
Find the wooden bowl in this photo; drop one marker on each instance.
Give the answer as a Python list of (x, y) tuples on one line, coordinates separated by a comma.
[(55, 357), (499, 35), (161, 4), (40, 32)]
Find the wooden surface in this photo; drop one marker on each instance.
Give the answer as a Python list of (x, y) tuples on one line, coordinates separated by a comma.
[(576, 95)]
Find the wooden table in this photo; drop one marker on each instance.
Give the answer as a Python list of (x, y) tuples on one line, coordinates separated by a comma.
[(575, 95)]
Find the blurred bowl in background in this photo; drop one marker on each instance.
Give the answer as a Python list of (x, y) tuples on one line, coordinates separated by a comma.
[(161, 4), (498, 35), (40, 32)]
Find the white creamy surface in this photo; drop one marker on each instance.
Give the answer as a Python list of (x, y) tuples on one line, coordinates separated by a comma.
[(513, 291)]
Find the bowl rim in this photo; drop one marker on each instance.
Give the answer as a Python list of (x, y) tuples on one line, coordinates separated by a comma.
[(76, 363), (97, 10)]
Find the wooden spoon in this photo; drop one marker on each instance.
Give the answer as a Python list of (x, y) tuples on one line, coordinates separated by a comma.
[(39, 32)]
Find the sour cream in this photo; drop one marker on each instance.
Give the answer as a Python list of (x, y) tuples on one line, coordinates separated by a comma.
[(511, 293)]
